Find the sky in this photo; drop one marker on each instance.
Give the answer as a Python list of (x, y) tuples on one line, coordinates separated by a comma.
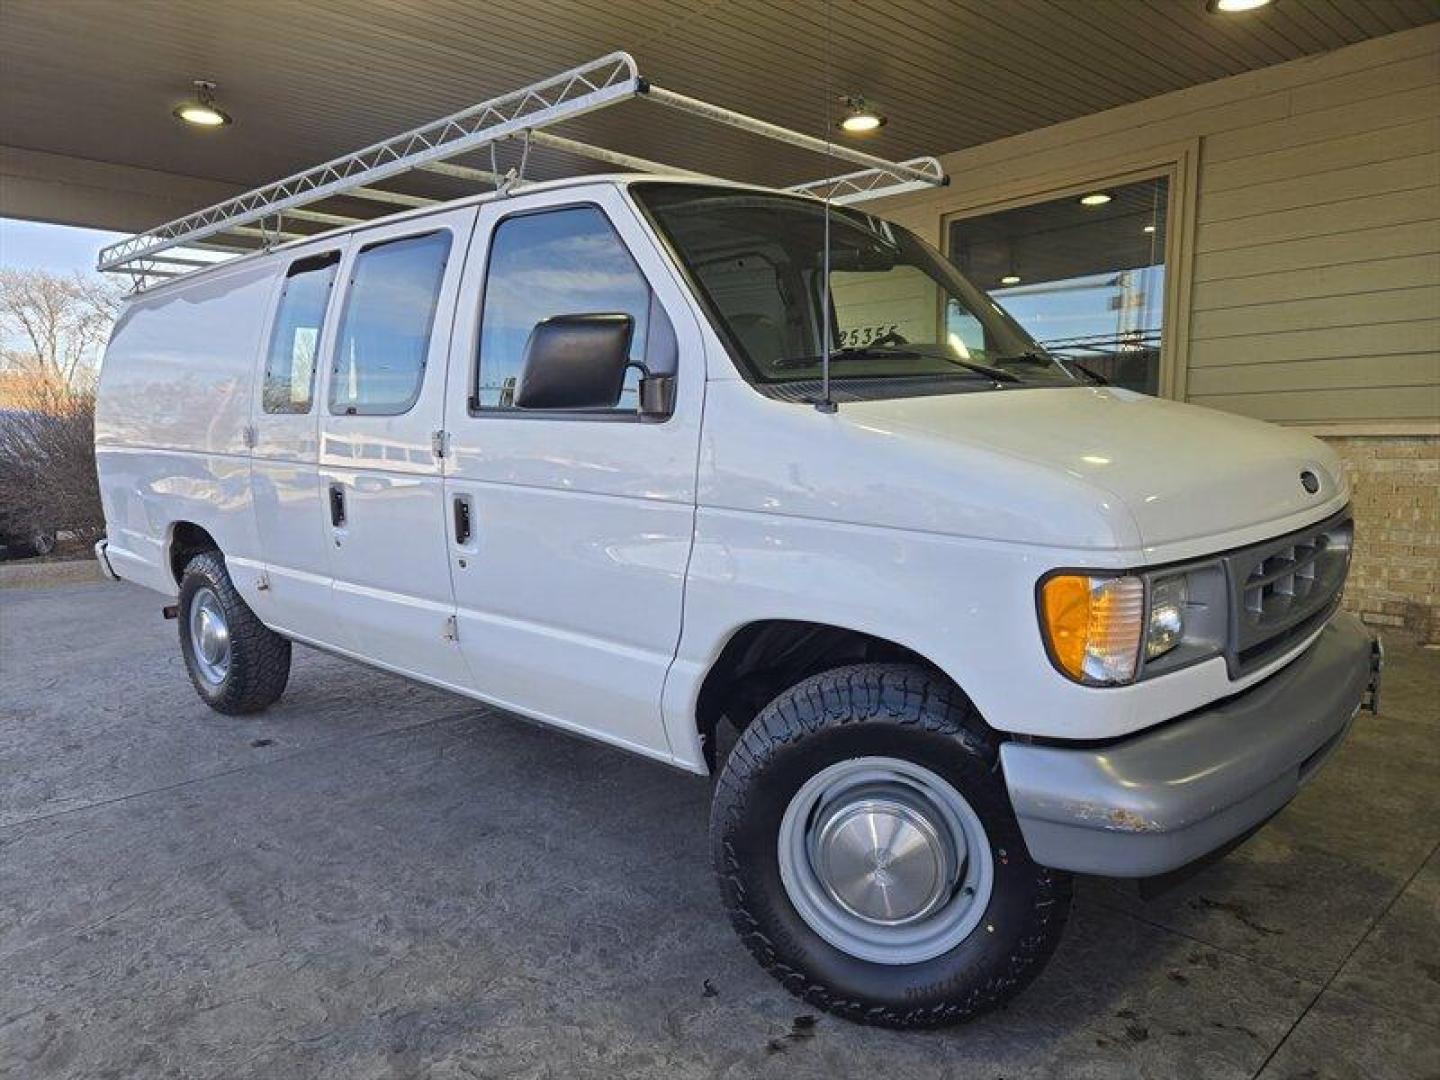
[(60, 249)]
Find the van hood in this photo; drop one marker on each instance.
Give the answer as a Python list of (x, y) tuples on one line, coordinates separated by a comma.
[(1188, 477)]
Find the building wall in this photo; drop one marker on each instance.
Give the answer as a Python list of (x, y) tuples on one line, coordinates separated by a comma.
[(1303, 263), (1395, 580)]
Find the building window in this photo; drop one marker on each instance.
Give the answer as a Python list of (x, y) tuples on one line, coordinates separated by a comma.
[(295, 341), (558, 262), (1085, 275), (385, 333)]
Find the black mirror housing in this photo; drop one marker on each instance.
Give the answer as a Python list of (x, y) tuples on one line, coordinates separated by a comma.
[(575, 362)]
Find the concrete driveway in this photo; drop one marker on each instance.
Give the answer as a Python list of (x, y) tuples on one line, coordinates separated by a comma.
[(374, 879)]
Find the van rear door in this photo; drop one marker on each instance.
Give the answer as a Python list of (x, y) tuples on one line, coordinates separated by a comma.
[(382, 503)]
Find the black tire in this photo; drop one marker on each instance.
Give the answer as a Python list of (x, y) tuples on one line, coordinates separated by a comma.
[(259, 659), (899, 711)]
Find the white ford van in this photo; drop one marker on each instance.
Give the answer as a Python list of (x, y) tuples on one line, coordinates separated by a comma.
[(972, 625)]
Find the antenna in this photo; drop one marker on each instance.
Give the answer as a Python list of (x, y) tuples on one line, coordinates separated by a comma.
[(826, 404)]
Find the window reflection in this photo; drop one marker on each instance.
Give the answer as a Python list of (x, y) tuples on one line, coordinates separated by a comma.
[(295, 341), (1087, 281), (385, 333), (560, 262)]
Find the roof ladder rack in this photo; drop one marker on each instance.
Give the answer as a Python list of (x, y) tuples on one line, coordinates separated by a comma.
[(856, 187), (523, 114)]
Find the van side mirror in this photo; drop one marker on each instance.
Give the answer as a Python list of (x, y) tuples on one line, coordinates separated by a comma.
[(575, 362)]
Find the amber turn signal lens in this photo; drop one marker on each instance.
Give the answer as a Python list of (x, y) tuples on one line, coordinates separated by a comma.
[(1093, 625)]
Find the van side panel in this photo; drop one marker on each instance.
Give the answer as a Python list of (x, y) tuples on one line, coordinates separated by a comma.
[(170, 420)]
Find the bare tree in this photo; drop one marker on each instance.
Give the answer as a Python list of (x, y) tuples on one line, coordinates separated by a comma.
[(52, 325), (47, 463), (52, 328)]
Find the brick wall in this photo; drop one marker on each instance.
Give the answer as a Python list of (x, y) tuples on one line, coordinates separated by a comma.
[(1395, 577)]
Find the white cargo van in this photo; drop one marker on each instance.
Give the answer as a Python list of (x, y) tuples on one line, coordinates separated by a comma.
[(759, 486)]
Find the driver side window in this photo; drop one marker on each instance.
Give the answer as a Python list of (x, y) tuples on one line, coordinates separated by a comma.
[(555, 262)]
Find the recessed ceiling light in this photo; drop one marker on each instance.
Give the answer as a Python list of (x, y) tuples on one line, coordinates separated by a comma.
[(1231, 7), (202, 112), (1095, 198), (1010, 279), (860, 117), (1148, 228)]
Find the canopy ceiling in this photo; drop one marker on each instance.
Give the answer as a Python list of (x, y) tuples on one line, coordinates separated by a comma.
[(308, 79)]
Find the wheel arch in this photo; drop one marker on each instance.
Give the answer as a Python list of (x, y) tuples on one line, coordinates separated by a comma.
[(763, 657), (186, 540)]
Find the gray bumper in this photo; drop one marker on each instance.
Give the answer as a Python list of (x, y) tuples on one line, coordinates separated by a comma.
[(1160, 800)]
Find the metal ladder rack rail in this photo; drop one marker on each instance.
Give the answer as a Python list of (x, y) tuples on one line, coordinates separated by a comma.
[(569, 94), (876, 183), (521, 114)]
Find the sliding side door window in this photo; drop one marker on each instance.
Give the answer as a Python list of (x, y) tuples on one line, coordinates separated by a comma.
[(384, 335)]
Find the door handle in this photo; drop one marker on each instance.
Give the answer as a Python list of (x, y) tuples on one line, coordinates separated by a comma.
[(337, 506), (463, 527)]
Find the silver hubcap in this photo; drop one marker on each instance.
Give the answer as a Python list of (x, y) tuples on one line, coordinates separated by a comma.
[(885, 860), (209, 637)]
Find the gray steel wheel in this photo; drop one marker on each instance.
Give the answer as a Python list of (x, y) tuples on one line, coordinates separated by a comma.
[(209, 636), (885, 860)]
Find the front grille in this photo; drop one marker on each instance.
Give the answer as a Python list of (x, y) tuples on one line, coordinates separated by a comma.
[(1283, 589)]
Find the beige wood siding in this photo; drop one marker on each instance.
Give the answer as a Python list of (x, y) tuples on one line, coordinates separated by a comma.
[(1305, 262)]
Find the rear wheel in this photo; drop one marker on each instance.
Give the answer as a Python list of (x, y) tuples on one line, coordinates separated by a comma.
[(869, 857), (236, 663)]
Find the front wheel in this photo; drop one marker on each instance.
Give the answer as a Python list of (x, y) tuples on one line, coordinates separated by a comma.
[(869, 857), (237, 664)]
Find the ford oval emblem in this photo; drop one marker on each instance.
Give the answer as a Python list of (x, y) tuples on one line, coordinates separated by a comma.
[(1309, 481)]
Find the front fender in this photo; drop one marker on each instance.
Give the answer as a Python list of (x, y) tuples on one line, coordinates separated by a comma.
[(966, 605)]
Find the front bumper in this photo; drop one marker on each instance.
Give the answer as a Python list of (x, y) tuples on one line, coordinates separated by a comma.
[(1159, 800)]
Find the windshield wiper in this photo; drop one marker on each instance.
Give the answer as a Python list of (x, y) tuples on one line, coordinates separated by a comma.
[(841, 356), (1034, 356), (882, 352), (998, 374)]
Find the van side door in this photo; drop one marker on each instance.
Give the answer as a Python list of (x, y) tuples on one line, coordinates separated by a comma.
[(285, 442), (382, 501), (570, 531)]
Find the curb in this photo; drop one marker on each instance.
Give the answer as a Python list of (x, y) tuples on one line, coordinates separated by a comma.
[(38, 575)]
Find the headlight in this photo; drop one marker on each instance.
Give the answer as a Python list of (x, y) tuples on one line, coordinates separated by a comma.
[(1105, 630), (1165, 626), (1093, 625)]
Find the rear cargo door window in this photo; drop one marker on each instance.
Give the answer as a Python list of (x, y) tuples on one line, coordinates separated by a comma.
[(295, 340), (385, 332)]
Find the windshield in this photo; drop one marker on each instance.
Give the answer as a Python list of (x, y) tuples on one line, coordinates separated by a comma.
[(898, 309)]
